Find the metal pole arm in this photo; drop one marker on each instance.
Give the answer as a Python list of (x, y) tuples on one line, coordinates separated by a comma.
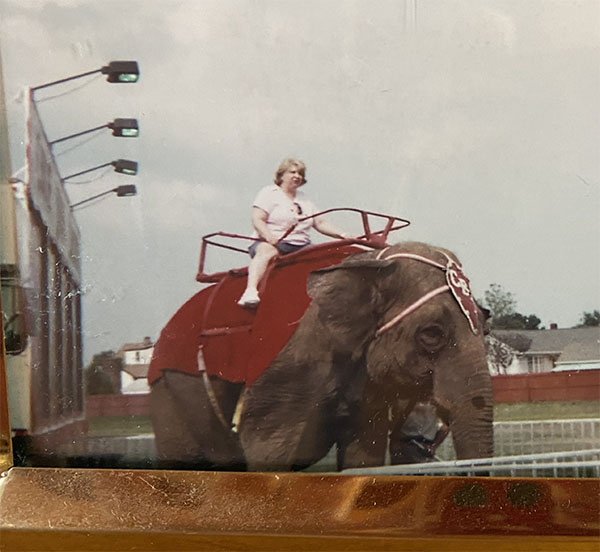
[(113, 191), (33, 89), (87, 170), (78, 134)]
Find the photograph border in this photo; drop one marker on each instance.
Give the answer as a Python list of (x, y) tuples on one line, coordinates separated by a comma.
[(101, 509), (125, 509)]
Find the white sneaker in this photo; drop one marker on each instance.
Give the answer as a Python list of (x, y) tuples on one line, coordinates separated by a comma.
[(249, 299)]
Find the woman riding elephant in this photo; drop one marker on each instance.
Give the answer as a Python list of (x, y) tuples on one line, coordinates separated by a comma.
[(276, 210), (382, 327)]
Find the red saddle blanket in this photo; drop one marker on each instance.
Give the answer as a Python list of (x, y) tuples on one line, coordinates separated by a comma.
[(238, 344)]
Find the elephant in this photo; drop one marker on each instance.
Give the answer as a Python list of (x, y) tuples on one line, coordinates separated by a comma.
[(384, 328)]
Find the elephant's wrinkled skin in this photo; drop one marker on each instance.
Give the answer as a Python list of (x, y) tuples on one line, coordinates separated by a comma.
[(335, 382)]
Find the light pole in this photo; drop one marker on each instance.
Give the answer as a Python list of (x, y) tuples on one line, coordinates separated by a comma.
[(125, 128), (55, 340), (123, 166), (116, 71), (126, 190)]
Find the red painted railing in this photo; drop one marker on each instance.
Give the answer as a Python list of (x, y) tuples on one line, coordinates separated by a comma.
[(369, 237)]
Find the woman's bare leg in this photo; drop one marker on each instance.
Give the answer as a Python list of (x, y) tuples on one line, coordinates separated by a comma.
[(256, 270)]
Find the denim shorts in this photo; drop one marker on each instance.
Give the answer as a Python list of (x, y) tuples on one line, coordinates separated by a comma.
[(283, 248)]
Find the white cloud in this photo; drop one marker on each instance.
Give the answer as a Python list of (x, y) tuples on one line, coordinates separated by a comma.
[(178, 204), (493, 104)]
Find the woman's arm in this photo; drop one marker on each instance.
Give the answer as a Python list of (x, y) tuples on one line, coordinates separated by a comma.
[(439, 438), (328, 229), (259, 221)]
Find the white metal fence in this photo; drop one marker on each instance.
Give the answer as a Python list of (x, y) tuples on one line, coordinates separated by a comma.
[(134, 449), (537, 437), (546, 436), (137, 447), (545, 448), (557, 448), (583, 463)]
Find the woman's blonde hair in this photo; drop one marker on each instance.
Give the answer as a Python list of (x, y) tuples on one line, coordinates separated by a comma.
[(287, 164)]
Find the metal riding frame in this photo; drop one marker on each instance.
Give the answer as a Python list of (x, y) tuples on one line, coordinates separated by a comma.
[(374, 239)]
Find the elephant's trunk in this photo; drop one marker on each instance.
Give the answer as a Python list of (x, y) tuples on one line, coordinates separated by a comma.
[(470, 414), (472, 431)]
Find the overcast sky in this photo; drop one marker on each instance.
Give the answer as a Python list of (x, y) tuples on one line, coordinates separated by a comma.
[(476, 120)]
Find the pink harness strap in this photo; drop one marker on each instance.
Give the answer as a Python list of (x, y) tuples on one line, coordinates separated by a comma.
[(451, 278), (411, 308), (410, 256)]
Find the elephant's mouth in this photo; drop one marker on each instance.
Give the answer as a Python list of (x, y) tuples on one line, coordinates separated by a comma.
[(419, 389), (423, 388)]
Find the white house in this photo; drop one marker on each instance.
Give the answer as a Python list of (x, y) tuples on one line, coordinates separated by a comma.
[(552, 350), (134, 371), (579, 356)]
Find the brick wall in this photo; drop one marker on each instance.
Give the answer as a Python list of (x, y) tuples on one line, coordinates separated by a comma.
[(117, 405), (581, 385), (553, 386)]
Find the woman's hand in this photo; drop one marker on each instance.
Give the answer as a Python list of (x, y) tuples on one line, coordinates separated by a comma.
[(259, 221)]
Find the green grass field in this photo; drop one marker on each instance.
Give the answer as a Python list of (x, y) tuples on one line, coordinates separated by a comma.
[(118, 426), (124, 426), (510, 412)]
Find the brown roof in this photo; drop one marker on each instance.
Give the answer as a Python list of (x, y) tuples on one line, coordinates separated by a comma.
[(578, 343), (136, 370), (147, 343), (136, 346), (577, 352)]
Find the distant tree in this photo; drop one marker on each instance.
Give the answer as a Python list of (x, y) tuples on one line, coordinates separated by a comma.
[(517, 321), (501, 303), (503, 315), (590, 319), (517, 341), (98, 377), (98, 382), (532, 322)]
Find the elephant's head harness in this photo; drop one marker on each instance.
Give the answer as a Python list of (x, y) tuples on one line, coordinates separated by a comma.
[(456, 282)]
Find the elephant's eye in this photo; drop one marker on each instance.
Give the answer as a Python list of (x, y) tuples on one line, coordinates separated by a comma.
[(432, 338)]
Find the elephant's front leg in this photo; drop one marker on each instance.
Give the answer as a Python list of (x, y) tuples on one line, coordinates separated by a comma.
[(276, 449), (368, 444), (286, 425), (188, 433)]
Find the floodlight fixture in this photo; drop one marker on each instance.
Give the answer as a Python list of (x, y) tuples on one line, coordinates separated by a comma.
[(123, 166), (121, 191), (126, 128), (115, 71), (121, 71), (126, 190)]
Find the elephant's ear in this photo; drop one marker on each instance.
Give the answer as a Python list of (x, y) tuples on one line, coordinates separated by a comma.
[(354, 267), (348, 299), (486, 314)]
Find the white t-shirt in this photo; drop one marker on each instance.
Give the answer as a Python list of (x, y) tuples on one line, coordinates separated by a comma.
[(283, 212)]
